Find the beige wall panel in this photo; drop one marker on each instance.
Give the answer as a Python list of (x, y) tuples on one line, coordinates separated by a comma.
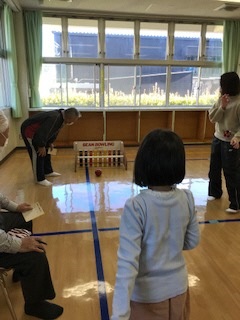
[(188, 125), (122, 126), (88, 127), (152, 120)]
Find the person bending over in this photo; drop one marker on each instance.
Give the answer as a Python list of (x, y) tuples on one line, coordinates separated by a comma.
[(39, 132)]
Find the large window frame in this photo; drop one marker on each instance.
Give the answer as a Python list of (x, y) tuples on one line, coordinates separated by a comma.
[(101, 79)]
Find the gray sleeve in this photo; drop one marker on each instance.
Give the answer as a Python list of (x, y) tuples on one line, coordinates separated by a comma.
[(7, 204), (192, 236), (216, 113), (9, 244), (131, 230)]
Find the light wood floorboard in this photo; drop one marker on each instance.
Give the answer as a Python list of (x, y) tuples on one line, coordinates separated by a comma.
[(77, 213)]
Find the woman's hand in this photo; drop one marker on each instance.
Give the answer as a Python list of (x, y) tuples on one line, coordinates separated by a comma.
[(224, 101), (41, 151), (31, 244), (234, 143), (23, 207)]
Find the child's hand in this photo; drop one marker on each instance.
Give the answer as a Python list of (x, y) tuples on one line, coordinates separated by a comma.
[(234, 143), (23, 207), (224, 101)]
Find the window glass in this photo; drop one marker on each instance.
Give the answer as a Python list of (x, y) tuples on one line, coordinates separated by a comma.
[(153, 86), (119, 39), (209, 85), (119, 85), (69, 85), (83, 38), (52, 37), (214, 39), (135, 86), (182, 86), (153, 40), (186, 41), (194, 86)]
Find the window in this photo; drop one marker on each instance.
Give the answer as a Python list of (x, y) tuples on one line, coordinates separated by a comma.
[(83, 38), (69, 85), (52, 37), (214, 38), (119, 39), (186, 41), (107, 63), (153, 40)]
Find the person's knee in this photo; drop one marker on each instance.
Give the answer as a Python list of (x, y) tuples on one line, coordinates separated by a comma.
[(36, 260), (40, 257)]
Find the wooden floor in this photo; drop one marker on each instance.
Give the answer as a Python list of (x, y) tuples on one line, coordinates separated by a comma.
[(80, 225)]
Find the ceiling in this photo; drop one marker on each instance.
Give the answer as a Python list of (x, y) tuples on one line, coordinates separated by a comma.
[(203, 9)]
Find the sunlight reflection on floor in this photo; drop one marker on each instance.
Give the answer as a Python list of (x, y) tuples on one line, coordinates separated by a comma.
[(110, 196)]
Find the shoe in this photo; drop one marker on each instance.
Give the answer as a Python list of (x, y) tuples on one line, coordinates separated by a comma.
[(15, 276), (229, 210), (210, 198), (44, 183), (43, 310), (53, 174)]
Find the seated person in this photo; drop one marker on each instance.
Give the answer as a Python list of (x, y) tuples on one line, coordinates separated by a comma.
[(26, 255), (4, 129)]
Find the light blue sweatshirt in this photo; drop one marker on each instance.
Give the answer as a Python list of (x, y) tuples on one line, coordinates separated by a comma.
[(155, 228)]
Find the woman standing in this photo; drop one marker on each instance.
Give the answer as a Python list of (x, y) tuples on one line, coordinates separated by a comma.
[(225, 154)]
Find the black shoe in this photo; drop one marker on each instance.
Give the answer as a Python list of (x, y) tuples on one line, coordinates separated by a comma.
[(43, 310), (15, 276)]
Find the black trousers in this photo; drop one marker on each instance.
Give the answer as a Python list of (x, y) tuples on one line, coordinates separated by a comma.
[(40, 165), (32, 267), (225, 158)]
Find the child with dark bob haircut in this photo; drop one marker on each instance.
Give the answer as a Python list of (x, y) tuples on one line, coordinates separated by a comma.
[(160, 160), (156, 226)]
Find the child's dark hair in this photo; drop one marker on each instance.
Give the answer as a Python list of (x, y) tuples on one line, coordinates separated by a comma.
[(160, 160), (230, 83)]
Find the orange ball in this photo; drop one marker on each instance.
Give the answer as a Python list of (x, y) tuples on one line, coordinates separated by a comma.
[(98, 172)]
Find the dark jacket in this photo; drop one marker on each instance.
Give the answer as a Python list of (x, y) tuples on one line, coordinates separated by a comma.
[(43, 127)]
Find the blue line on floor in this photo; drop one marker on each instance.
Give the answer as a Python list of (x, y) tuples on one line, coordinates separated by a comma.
[(218, 221), (213, 221), (98, 257), (108, 229), (61, 232)]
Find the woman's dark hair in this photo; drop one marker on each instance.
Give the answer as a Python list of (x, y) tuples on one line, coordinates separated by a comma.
[(160, 160), (230, 83)]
